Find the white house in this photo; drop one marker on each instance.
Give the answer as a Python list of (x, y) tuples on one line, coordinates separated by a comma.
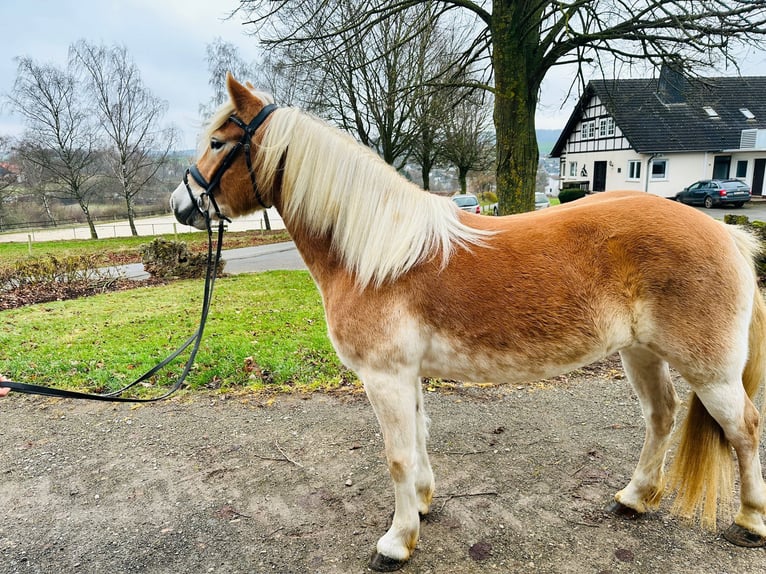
[(659, 135)]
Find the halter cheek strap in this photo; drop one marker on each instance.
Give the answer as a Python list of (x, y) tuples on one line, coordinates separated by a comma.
[(243, 144)]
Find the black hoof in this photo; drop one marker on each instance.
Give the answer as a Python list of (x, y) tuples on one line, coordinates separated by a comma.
[(381, 563), (742, 537), (619, 509)]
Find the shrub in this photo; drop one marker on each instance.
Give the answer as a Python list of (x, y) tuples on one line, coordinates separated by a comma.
[(570, 194), (52, 269), (163, 258), (732, 219), (757, 228), (488, 197)]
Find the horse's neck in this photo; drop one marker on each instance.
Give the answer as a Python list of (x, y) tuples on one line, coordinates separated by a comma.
[(317, 253)]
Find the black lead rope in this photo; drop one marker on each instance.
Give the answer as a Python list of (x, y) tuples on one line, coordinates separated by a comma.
[(195, 340)]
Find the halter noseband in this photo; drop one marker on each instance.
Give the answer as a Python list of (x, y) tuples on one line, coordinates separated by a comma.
[(243, 144)]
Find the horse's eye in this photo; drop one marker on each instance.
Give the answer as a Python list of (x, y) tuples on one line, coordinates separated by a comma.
[(216, 144)]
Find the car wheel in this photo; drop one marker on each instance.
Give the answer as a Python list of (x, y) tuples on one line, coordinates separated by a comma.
[(708, 202)]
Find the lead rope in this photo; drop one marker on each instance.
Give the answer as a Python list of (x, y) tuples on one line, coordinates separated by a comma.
[(196, 338)]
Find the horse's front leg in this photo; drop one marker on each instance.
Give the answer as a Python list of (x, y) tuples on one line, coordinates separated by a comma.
[(395, 400)]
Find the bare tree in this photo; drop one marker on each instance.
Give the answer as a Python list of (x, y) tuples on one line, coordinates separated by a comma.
[(468, 138), (60, 136), (369, 86), (278, 76), (223, 57), (519, 42), (7, 180), (36, 175), (129, 116)]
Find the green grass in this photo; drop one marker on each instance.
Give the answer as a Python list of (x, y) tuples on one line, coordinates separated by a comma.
[(265, 331)]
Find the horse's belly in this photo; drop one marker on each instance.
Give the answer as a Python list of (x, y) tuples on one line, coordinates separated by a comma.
[(447, 360)]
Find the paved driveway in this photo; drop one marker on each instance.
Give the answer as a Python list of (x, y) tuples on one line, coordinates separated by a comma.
[(755, 210)]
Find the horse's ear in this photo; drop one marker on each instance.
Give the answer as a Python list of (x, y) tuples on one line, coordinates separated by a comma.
[(239, 94)]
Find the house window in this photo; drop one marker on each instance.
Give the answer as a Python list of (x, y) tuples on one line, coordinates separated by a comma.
[(634, 170), (606, 127), (589, 130), (712, 114), (659, 169), (741, 168), (573, 169)]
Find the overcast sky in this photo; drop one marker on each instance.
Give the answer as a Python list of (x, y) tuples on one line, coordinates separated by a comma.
[(167, 40)]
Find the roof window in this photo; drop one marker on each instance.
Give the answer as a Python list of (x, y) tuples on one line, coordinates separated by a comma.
[(747, 113), (710, 112)]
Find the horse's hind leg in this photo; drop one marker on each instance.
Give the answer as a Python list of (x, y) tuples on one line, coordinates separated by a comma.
[(395, 402), (730, 406), (650, 377), (424, 479)]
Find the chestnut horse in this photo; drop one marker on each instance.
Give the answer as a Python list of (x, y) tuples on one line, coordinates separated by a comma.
[(656, 281)]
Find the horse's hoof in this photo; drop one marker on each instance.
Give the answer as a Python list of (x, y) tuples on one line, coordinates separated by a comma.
[(381, 563), (742, 537), (619, 509)]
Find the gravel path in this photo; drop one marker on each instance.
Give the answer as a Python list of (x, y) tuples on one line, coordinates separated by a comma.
[(244, 484)]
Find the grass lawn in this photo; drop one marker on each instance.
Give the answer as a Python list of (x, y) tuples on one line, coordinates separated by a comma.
[(265, 330)]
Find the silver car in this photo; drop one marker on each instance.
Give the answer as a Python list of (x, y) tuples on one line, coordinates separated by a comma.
[(467, 202)]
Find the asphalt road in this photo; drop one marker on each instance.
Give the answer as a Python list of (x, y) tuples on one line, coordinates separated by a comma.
[(272, 257), (755, 210)]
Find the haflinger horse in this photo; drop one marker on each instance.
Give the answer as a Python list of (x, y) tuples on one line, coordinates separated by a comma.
[(656, 281)]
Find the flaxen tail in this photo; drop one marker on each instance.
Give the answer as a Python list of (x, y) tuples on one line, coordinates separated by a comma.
[(703, 468)]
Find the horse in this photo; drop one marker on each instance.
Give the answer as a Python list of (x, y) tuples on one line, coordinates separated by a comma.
[(658, 282)]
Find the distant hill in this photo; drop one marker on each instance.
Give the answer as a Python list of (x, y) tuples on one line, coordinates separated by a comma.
[(546, 139)]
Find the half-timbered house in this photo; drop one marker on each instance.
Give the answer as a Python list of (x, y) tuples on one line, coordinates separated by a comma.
[(659, 135)]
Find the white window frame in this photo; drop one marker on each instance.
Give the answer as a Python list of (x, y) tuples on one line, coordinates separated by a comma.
[(588, 130), (634, 170), (572, 169), (606, 127), (659, 177)]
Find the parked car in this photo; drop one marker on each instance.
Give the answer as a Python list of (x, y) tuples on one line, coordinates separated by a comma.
[(541, 202), (714, 192), (467, 202)]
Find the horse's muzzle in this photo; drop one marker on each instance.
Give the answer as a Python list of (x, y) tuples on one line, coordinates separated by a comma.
[(184, 210)]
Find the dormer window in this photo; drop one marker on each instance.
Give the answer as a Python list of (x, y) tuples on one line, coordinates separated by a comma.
[(711, 113), (749, 116)]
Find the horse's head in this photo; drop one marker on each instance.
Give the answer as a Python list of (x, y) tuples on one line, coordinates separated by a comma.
[(222, 183)]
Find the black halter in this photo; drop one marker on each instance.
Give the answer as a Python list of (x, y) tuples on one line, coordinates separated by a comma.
[(215, 181)]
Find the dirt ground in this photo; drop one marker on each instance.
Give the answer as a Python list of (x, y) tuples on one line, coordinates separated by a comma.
[(247, 484)]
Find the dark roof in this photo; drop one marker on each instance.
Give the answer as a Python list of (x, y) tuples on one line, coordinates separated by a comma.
[(668, 115)]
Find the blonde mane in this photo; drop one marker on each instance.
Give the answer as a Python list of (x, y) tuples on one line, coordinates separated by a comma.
[(380, 224)]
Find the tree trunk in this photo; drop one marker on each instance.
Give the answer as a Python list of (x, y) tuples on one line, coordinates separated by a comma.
[(131, 220), (462, 176), (47, 207), (91, 225), (517, 82), (131, 215), (425, 170)]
